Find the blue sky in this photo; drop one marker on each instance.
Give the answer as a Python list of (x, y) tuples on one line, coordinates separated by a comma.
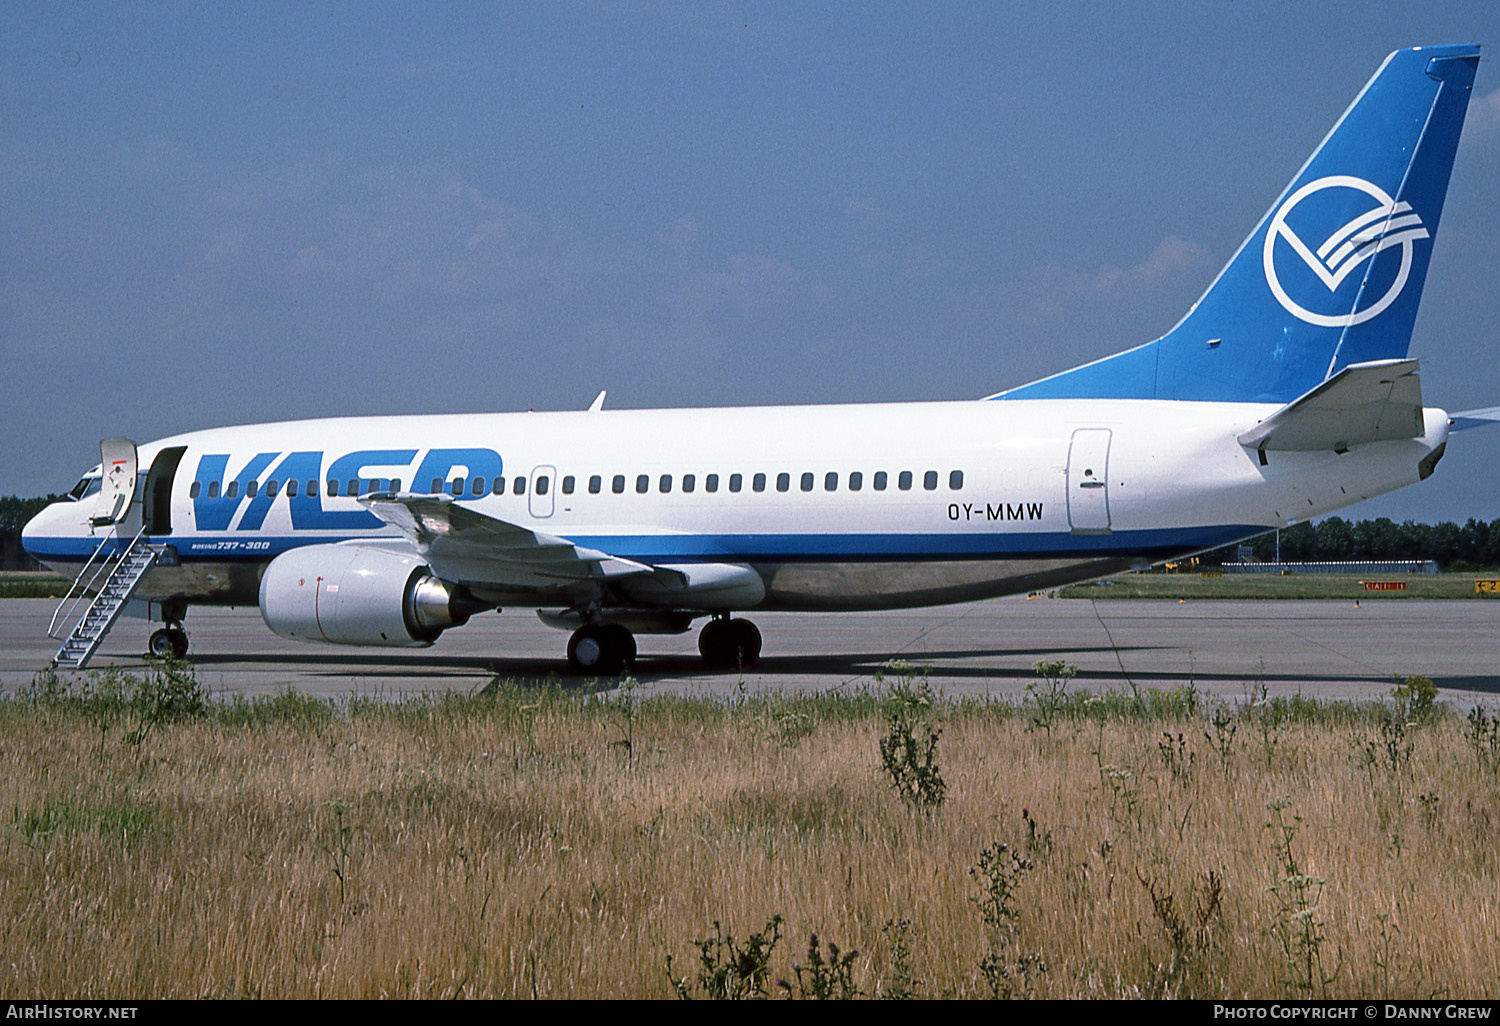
[(219, 213)]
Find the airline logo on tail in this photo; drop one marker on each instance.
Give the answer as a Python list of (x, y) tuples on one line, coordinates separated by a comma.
[(1389, 223)]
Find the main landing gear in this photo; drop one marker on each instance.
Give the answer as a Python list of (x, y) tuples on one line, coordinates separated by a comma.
[(608, 649), (727, 644), (171, 642), (605, 649)]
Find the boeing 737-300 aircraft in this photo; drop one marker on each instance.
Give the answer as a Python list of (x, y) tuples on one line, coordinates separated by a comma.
[(1284, 394)]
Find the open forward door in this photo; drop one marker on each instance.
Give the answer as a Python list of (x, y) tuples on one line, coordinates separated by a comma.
[(117, 460)]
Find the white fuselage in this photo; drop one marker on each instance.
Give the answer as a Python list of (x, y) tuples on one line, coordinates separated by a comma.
[(835, 507)]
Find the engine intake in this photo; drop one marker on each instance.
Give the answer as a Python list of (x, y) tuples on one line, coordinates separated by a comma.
[(353, 595)]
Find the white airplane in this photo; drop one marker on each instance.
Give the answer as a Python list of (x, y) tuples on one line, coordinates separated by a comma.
[(1284, 394)]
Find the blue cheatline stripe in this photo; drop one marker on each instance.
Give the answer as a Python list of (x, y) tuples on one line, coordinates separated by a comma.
[(749, 548)]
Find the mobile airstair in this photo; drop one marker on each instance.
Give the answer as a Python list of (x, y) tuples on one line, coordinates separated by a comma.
[(111, 576)]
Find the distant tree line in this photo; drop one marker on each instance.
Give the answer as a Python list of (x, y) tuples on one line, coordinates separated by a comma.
[(1453, 546), (14, 512)]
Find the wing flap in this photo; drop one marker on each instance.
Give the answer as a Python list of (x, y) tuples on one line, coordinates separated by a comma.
[(1365, 402), (445, 531)]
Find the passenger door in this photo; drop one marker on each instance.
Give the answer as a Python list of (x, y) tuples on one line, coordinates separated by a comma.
[(1088, 481), (117, 461)]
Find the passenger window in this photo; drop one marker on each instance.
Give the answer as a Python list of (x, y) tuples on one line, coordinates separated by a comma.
[(783, 481), (272, 488), (758, 482), (233, 491), (352, 488), (618, 484), (689, 482), (542, 484), (711, 483), (498, 487), (595, 483), (395, 485), (880, 480), (830, 482), (436, 489), (312, 488), (956, 479), (665, 483), (568, 485), (291, 489), (251, 489), (333, 488), (856, 480), (456, 487), (518, 487), (213, 489), (194, 490), (736, 482), (642, 483), (904, 481), (929, 480), (807, 482), (476, 486)]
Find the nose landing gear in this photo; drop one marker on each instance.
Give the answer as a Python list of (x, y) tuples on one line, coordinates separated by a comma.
[(170, 641)]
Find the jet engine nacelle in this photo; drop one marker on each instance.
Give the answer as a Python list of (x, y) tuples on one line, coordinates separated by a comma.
[(353, 595)]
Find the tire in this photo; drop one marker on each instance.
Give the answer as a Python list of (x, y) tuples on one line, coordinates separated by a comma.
[(600, 650), (161, 645), (729, 644), (622, 643), (713, 644), (746, 638)]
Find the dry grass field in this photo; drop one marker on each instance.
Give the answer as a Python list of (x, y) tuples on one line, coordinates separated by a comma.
[(560, 843)]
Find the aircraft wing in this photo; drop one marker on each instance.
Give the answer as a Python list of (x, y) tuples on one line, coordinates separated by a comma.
[(460, 542), (1365, 402)]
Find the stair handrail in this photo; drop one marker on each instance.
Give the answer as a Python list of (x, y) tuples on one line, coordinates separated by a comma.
[(104, 564)]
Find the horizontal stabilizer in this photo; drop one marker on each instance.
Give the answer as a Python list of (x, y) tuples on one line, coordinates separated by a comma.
[(1474, 418), (1378, 401)]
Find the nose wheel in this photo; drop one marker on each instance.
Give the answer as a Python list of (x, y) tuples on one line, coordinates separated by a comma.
[(170, 642), (728, 644), (604, 650)]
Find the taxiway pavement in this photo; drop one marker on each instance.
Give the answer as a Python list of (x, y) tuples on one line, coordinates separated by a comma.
[(1326, 649)]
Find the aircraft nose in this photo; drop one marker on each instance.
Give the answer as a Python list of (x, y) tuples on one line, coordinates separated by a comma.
[(44, 536)]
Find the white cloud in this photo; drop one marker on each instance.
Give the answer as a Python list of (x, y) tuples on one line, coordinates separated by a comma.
[(1058, 290), (1483, 120)]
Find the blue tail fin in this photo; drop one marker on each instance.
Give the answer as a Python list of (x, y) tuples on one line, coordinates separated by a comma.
[(1332, 274)]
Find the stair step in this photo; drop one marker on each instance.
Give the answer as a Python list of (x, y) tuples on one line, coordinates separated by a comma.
[(120, 581)]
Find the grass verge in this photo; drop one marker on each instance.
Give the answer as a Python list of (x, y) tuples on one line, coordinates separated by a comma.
[(1291, 586), (546, 842)]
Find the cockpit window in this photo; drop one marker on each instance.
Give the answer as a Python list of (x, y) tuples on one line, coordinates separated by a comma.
[(86, 486)]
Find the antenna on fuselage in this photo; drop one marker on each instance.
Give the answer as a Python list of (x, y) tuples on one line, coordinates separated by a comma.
[(598, 403)]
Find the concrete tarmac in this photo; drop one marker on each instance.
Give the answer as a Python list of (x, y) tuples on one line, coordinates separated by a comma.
[(1323, 649)]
